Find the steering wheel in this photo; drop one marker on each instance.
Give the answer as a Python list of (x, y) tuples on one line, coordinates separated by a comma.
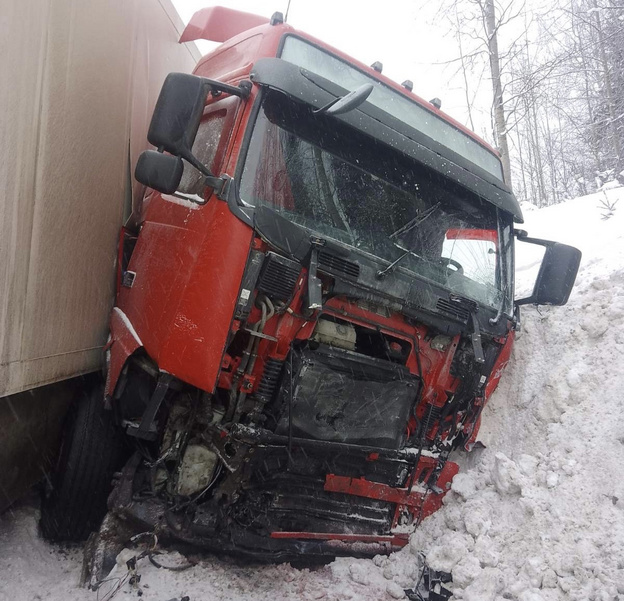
[(452, 266)]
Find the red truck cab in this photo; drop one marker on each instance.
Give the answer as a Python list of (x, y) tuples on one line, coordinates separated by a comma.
[(316, 306)]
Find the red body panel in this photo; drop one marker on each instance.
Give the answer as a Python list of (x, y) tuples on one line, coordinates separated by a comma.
[(188, 276), (425, 503), (123, 342), (497, 371), (501, 363)]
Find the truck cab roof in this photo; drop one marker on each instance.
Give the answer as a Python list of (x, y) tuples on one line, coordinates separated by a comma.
[(393, 114)]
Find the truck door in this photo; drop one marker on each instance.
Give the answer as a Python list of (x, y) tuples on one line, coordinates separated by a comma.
[(166, 263)]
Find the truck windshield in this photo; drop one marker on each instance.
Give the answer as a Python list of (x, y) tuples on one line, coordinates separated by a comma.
[(341, 184)]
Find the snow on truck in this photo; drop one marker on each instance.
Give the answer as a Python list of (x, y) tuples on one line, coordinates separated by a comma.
[(310, 317)]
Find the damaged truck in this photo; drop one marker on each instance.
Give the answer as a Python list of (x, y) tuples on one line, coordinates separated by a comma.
[(311, 315)]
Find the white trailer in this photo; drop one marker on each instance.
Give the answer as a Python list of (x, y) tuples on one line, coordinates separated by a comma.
[(79, 81)]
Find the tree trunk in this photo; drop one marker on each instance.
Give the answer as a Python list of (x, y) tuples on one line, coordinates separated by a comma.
[(497, 89), (463, 68), (608, 89)]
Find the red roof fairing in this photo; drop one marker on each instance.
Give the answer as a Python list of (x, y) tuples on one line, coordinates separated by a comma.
[(218, 24)]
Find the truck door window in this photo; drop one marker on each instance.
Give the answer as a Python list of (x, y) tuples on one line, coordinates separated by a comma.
[(210, 143)]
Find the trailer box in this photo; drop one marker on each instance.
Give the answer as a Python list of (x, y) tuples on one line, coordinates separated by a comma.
[(79, 84)]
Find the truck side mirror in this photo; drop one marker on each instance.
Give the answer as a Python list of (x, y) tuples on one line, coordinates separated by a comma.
[(173, 129), (556, 275), (159, 171), (177, 114)]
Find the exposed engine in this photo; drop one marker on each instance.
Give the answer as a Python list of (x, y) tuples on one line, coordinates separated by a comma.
[(329, 431)]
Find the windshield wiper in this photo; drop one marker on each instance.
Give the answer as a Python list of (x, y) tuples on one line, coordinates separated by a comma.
[(408, 227), (382, 273)]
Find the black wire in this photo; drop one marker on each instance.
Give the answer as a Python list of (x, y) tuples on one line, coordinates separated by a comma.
[(172, 568)]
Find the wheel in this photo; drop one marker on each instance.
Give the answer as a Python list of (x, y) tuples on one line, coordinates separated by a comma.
[(92, 450)]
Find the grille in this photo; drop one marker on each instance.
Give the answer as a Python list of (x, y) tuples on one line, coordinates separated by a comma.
[(279, 277), (300, 504), (454, 309), (338, 266)]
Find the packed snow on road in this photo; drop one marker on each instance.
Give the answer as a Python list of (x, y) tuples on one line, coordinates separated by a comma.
[(536, 515)]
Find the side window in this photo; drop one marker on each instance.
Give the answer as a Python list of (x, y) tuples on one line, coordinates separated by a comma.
[(205, 148), (211, 142)]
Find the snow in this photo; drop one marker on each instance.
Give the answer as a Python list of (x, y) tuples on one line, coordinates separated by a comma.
[(538, 515), (128, 324), (192, 201)]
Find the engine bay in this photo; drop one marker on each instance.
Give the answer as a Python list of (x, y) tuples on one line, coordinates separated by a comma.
[(329, 431)]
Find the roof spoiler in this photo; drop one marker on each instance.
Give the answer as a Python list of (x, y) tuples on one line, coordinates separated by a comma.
[(304, 86), (218, 24)]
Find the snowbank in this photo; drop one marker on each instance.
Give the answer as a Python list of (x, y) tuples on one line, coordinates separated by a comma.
[(540, 514), (536, 516)]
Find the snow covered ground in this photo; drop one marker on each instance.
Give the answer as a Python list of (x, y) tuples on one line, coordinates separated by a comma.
[(536, 516)]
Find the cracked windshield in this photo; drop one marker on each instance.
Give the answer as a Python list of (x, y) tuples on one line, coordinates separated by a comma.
[(342, 185)]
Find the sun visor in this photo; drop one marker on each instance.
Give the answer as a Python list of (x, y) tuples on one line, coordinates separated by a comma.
[(304, 86)]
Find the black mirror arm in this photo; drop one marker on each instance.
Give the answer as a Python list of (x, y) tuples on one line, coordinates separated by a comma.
[(189, 157), (242, 90), (523, 236)]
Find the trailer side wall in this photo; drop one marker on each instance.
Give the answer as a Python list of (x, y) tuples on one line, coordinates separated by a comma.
[(79, 82)]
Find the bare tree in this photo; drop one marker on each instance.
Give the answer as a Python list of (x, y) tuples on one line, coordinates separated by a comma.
[(557, 111), (477, 24), (500, 125)]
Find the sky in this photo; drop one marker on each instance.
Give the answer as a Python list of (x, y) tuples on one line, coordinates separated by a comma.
[(408, 37)]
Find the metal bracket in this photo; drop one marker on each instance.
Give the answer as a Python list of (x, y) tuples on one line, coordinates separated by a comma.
[(476, 339), (145, 430), (219, 184), (315, 286)]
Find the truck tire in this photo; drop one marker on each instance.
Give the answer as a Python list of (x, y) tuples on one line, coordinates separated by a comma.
[(91, 451)]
